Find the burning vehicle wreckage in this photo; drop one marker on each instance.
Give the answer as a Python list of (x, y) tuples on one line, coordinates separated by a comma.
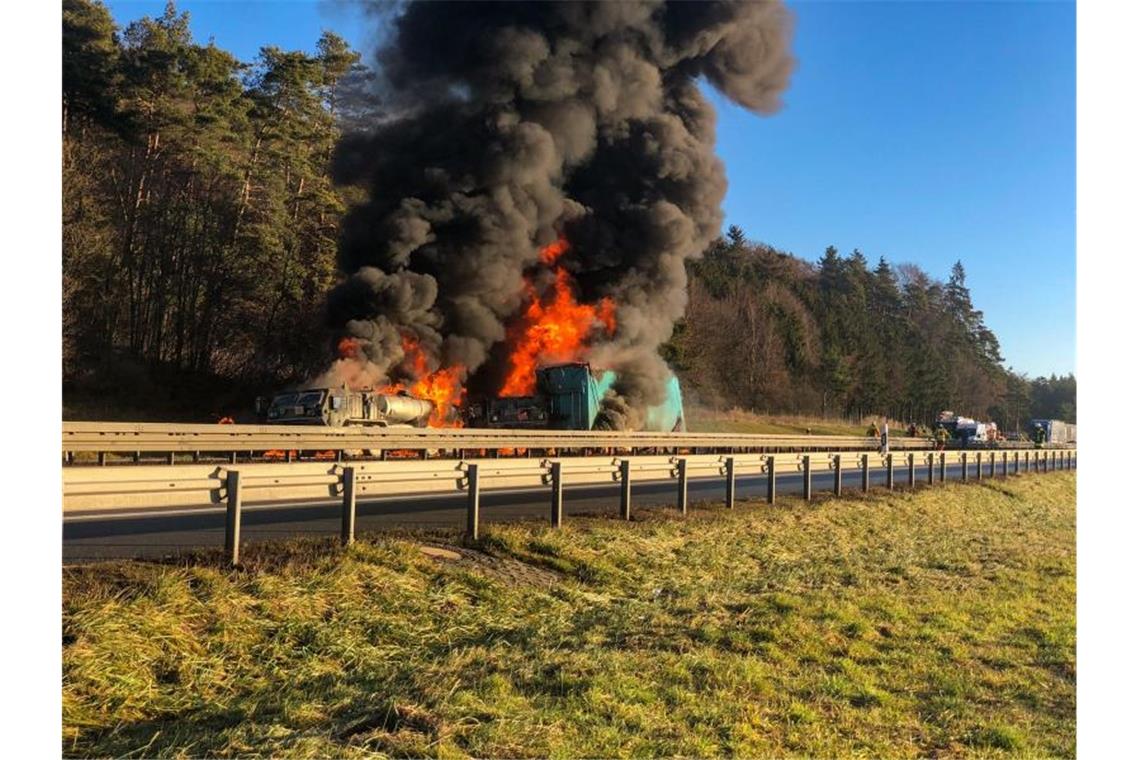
[(568, 397), (533, 185)]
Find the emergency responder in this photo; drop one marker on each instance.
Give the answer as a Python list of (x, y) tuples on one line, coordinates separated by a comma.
[(912, 431), (873, 431), (1038, 436), (942, 436)]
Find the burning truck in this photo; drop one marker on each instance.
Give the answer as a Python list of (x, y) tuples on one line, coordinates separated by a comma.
[(567, 397), (339, 407)]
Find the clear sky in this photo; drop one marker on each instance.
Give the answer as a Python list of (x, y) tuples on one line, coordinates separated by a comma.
[(925, 132)]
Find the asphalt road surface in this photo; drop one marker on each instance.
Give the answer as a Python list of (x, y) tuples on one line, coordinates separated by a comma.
[(164, 532)]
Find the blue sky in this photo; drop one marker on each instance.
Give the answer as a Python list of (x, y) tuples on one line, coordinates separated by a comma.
[(924, 132)]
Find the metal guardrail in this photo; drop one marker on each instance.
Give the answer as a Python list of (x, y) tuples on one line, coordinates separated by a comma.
[(135, 439), (117, 487)]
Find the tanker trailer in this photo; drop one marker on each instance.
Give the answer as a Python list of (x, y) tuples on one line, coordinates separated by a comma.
[(338, 407)]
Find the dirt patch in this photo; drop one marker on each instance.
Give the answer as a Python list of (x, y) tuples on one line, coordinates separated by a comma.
[(438, 552), (503, 569)]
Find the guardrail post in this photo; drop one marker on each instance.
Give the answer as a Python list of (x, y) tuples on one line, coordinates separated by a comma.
[(942, 467), (978, 465), (233, 457), (965, 468), (771, 479), (1005, 464), (102, 458), (838, 460), (170, 457), (473, 502), (233, 516), (1036, 461), (1054, 461), (910, 469), (930, 469), (348, 508), (729, 482), (556, 494), (807, 477), (866, 464), (626, 491), (890, 472), (683, 486)]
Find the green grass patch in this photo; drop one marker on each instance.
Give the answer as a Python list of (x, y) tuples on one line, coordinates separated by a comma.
[(700, 420), (933, 623)]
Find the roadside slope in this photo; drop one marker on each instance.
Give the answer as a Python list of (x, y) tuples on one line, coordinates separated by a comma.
[(940, 622)]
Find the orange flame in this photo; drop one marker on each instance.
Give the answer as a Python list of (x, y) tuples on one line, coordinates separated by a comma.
[(348, 348), (443, 387), (554, 251), (554, 329)]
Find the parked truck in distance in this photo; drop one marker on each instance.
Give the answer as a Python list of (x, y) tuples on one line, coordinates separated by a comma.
[(1056, 431), (966, 430)]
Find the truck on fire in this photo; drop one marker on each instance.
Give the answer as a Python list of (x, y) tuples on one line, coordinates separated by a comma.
[(568, 397), (338, 407), (571, 396)]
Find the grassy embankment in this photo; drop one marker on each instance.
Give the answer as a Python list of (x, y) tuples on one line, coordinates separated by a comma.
[(935, 623), (700, 420)]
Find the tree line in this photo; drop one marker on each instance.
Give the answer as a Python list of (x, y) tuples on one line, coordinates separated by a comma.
[(199, 219), (200, 227), (768, 332)]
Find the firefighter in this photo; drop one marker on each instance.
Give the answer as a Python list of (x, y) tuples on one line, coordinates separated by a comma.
[(942, 436), (1038, 436), (873, 431)]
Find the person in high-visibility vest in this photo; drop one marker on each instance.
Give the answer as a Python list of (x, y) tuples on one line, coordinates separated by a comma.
[(1038, 436)]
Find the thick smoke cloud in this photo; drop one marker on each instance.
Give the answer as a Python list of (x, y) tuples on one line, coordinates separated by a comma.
[(510, 123)]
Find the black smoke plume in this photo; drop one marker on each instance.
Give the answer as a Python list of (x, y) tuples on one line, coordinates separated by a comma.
[(507, 124)]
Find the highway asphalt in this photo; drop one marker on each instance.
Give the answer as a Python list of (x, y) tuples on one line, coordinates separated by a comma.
[(165, 532)]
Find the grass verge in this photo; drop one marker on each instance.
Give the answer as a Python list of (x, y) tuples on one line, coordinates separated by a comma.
[(934, 623), (700, 420)]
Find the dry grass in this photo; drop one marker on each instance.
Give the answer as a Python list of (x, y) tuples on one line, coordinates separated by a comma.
[(700, 420), (928, 624)]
